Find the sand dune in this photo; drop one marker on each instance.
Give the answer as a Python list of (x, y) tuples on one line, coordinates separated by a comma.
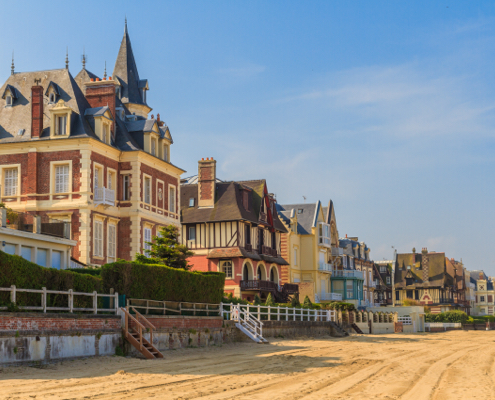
[(450, 365)]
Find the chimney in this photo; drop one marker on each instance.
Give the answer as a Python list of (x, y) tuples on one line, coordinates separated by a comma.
[(425, 263), (36, 111), (206, 182), (101, 94)]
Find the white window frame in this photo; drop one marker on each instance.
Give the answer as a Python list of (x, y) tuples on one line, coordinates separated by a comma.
[(147, 237), (98, 171), (191, 202), (324, 234), (153, 146), (111, 179), (231, 266), (126, 194), (383, 269), (147, 189), (388, 280), (98, 238), (172, 205), (166, 156), (3, 173), (191, 229), (53, 177), (61, 125), (112, 240)]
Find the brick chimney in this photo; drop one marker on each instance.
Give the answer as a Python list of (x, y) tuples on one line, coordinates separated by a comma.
[(36, 111), (425, 263), (101, 94), (207, 172)]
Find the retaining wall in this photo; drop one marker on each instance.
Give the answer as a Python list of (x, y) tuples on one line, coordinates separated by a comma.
[(38, 338)]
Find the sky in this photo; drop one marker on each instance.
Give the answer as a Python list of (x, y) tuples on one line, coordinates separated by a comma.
[(387, 108)]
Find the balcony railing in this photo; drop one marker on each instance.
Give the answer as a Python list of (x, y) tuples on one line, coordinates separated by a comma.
[(268, 251), (104, 196), (258, 285), (41, 224), (347, 274), (325, 267), (248, 247), (330, 296)]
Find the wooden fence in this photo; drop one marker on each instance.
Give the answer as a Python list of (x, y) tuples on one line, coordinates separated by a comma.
[(155, 307)]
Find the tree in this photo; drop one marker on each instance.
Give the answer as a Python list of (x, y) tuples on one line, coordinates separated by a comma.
[(269, 300), (167, 250), (307, 302), (257, 300), (295, 301)]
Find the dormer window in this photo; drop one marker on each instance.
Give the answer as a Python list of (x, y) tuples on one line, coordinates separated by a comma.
[(191, 202), (118, 92), (9, 94), (165, 152), (52, 92), (105, 133), (60, 116), (153, 146), (52, 97), (8, 101), (61, 125)]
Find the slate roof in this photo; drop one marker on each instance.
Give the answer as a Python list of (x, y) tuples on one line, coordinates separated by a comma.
[(305, 219), (84, 76), (228, 204), (12, 91), (439, 275), (97, 112), (126, 70)]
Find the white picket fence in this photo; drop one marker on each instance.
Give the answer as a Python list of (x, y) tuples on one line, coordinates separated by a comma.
[(70, 300), (280, 313), (444, 325)]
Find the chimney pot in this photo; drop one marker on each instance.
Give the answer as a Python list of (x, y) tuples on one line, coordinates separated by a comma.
[(109, 78), (158, 117), (92, 79), (203, 159), (97, 79)]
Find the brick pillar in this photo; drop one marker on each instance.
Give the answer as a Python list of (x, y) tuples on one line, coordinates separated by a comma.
[(206, 182), (425, 264), (32, 176), (36, 111)]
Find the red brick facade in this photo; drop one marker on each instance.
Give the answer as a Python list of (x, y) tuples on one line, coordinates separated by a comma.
[(56, 323), (101, 96), (183, 322)]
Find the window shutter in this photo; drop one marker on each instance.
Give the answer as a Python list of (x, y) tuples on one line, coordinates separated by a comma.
[(62, 179), (171, 199), (111, 240), (10, 182)]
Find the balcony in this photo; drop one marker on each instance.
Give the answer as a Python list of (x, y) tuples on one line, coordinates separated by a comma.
[(259, 285), (348, 274), (324, 241), (337, 251), (330, 296), (40, 224), (325, 267), (268, 251), (104, 196)]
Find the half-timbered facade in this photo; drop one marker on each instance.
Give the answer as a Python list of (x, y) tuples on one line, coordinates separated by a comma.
[(232, 227), (83, 150)]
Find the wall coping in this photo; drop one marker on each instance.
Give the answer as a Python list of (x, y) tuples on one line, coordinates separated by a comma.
[(57, 315), (180, 317), (74, 332)]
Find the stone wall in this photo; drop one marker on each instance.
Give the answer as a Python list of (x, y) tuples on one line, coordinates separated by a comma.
[(39, 338)]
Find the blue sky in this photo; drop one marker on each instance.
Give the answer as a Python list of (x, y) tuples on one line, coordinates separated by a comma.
[(385, 107)]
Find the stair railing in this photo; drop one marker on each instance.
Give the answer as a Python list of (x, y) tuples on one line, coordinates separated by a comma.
[(140, 327), (145, 321), (252, 324)]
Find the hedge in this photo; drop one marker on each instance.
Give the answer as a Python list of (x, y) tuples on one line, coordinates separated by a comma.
[(448, 316), (158, 282), (15, 270), (87, 271)]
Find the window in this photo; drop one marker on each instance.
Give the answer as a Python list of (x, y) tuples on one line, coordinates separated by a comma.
[(350, 291), (10, 182), (409, 294), (61, 125), (41, 256), (147, 190), (324, 231), (300, 211), (56, 259), (165, 153), (97, 177), (98, 252), (126, 192), (8, 101), (409, 281), (226, 268), (191, 202), (397, 295), (388, 280), (112, 236), (62, 179), (144, 95), (295, 257), (153, 146), (26, 253), (482, 299), (147, 240), (111, 180), (416, 295), (247, 233), (383, 269), (105, 133), (192, 233), (344, 262), (52, 97), (171, 199)]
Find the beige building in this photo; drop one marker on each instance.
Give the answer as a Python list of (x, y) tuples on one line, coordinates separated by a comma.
[(311, 248)]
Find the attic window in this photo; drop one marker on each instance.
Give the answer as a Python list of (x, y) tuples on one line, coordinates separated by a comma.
[(52, 97), (409, 281), (191, 202), (8, 101), (299, 210), (21, 132)]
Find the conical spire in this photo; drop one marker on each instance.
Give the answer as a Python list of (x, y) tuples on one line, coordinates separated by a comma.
[(126, 70)]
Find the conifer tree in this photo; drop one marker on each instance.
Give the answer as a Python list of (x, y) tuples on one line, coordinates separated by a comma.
[(269, 300)]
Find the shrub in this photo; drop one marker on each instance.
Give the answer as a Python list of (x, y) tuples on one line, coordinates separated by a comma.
[(158, 282), (269, 300), (87, 271), (448, 316), (340, 305), (411, 302), (307, 302), (295, 301), (229, 298), (15, 270), (257, 300)]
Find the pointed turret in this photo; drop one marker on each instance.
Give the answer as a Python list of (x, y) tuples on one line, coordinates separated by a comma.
[(133, 90)]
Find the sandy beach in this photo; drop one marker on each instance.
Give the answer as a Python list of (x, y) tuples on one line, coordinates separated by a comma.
[(450, 365)]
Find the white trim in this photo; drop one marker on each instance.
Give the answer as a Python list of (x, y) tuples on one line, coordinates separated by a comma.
[(174, 211)]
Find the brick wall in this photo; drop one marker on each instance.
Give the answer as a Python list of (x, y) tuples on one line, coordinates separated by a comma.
[(184, 322), (167, 179), (124, 248), (56, 322)]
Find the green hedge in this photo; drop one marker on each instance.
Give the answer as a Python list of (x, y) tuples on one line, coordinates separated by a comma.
[(15, 270), (158, 282), (448, 316), (87, 271)]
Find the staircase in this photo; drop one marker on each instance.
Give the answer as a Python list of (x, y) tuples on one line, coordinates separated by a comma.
[(135, 336), (248, 324), (338, 329), (357, 329)]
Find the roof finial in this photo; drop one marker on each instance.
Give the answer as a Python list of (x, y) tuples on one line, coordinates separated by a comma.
[(125, 29), (12, 67), (67, 58), (105, 73), (84, 58)]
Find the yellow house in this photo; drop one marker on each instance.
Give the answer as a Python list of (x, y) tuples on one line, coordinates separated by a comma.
[(311, 247)]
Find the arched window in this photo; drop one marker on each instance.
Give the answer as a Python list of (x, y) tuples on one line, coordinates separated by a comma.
[(272, 275), (245, 273), (259, 273)]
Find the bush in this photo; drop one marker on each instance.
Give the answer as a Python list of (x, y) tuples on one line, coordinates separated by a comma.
[(229, 298), (15, 270), (257, 300), (340, 305), (448, 316), (87, 271), (295, 302), (307, 303), (411, 302), (269, 301), (158, 282)]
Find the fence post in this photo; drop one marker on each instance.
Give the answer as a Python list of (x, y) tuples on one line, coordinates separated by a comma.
[(12, 294), (71, 301), (95, 303), (278, 313), (116, 300), (43, 300), (269, 313), (259, 315)]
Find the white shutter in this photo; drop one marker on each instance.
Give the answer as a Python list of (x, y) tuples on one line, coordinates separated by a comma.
[(111, 240), (147, 190), (10, 182), (97, 172), (147, 238), (171, 199), (62, 179), (98, 239)]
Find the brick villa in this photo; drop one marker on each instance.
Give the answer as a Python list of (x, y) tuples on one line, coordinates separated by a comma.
[(83, 150)]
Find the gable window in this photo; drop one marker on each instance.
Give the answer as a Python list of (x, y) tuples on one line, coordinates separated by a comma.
[(61, 125), (300, 211), (10, 182), (8, 101), (105, 133), (226, 268), (144, 95), (126, 188), (147, 190), (62, 179), (409, 281), (98, 241), (112, 236), (192, 233), (52, 98), (165, 152), (147, 240), (191, 202), (153, 146), (171, 199)]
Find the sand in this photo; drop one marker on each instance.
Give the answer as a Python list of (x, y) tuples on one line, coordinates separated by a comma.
[(447, 365)]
